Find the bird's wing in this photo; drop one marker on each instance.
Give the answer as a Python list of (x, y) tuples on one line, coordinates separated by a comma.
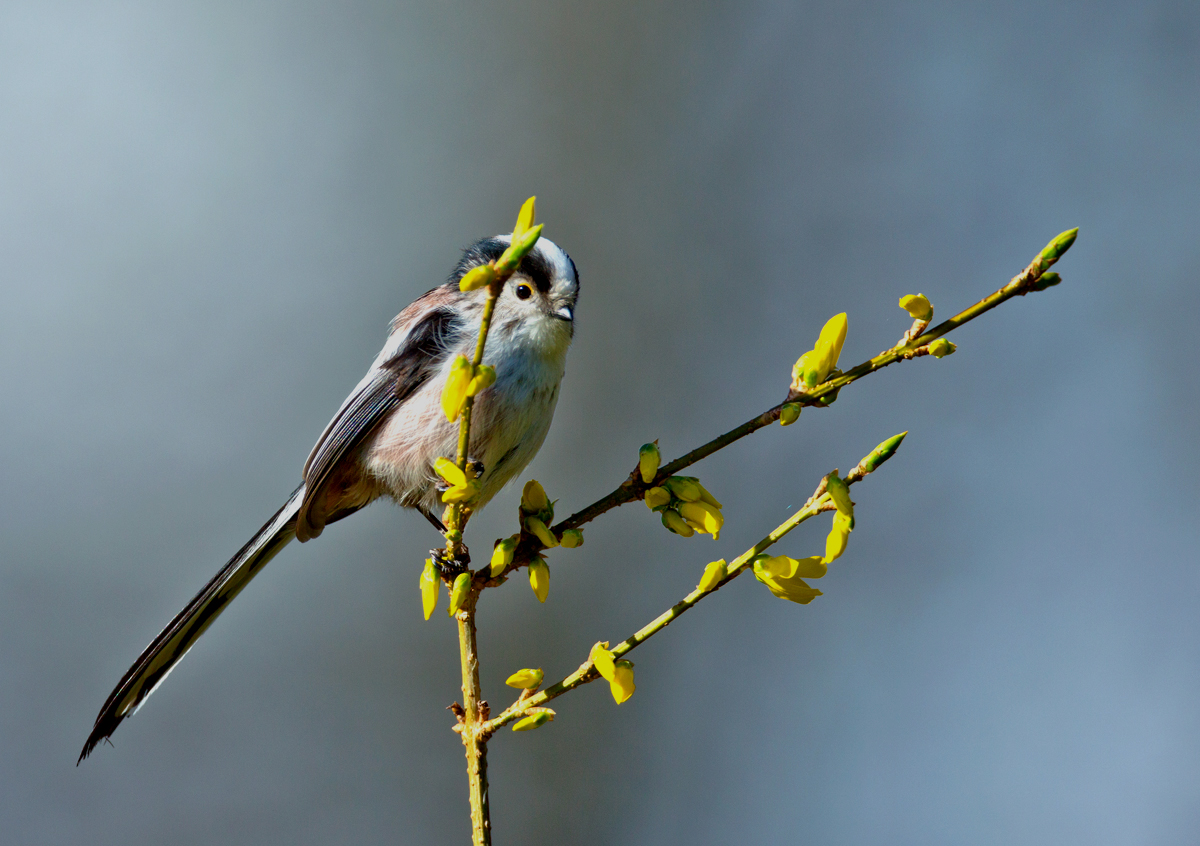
[(417, 357)]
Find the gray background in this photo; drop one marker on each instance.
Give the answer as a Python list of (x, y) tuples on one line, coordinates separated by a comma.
[(210, 210)]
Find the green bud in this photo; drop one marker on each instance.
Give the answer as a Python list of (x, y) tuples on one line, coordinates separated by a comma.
[(502, 555), (571, 538), (477, 277), (941, 348), (1047, 280), (686, 488), (648, 461), (459, 593), (1055, 249), (882, 452), (789, 413), (511, 258), (526, 679), (675, 522), (539, 530), (533, 721)]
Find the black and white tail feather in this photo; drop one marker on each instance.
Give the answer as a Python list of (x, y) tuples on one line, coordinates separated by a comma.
[(386, 436)]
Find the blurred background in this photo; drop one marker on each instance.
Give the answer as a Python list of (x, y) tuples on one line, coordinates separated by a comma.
[(209, 211)]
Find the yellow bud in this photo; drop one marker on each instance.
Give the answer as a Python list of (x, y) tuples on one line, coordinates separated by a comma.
[(713, 574), (845, 521), (458, 593), (538, 529), (917, 306), (533, 498), (621, 683), (571, 538), (656, 497), (429, 588), (454, 394), (539, 578), (839, 492), (526, 679), (477, 277), (510, 259), (685, 488), (793, 590), (829, 345), (462, 493), (673, 521), (702, 517), (813, 567), (524, 218), (602, 660), (648, 461), (806, 371), (533, 721), (941, 348), (708, 497), (835, 541), (789, 413), (484, 378), (502, 555), (450, 471)]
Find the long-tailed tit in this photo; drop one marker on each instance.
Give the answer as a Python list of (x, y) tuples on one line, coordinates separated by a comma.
[(384, 439)]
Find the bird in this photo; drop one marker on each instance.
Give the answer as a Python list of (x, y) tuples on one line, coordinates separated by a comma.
[(387, 434)]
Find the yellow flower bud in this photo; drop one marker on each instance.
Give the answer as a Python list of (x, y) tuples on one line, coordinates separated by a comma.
[(454, 394), (621, 683), (772, 567), (789, 413), (713, 574), (533, 498), (536, 720), (477, 277), (462, 493), (793, 590), (510, 259), (538, 529), (917, 306), (835, 541), (829, 345), (525, 218), (458, 593), (484, 378), (941, 348), (602, 660), (673, 521), (526, 679), (648, 461), (656, 497), (502, 555), (429, 588), (539, 578), (450, 471), (813, 567), (839, 492), (708, 497), (806, 371), (685, 488), (571, 538), (702, 517)]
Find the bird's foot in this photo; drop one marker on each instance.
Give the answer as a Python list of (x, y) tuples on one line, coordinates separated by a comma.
[(451, 566)]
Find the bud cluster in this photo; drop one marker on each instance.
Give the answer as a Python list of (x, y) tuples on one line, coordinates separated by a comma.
[(617, 672), (464, 381), (463, 485), (686, 506), (816, 365)]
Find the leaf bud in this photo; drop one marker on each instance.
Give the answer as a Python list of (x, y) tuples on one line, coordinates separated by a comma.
[(789, 413), (526, 679), (621, 683), (1053, 251), (941, 348), (477, 277), (673, 521), (459, 592), (1047, 280), (648, 460), (714, 573), (656, 497), (539, 578), (502, 555), (429, 588), (882, 452), (525, 218), (510, 259), (571, 538)]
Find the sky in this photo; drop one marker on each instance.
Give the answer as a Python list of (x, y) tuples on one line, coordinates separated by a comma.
[(210, 211)]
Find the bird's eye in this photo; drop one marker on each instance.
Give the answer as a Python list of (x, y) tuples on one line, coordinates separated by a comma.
[(524, 292)]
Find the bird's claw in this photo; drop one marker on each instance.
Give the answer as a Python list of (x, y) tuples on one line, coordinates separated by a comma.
[(449, 567)]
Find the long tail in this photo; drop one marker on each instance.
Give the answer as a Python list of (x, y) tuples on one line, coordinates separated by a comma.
[(173, 642)]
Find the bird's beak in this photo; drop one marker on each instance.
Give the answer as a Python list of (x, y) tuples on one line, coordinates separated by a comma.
[(565, 312)]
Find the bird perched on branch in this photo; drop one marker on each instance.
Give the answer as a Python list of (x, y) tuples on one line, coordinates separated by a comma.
[(388, 433)]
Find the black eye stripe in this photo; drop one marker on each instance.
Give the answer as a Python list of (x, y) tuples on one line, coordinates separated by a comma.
[(534, 266)]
